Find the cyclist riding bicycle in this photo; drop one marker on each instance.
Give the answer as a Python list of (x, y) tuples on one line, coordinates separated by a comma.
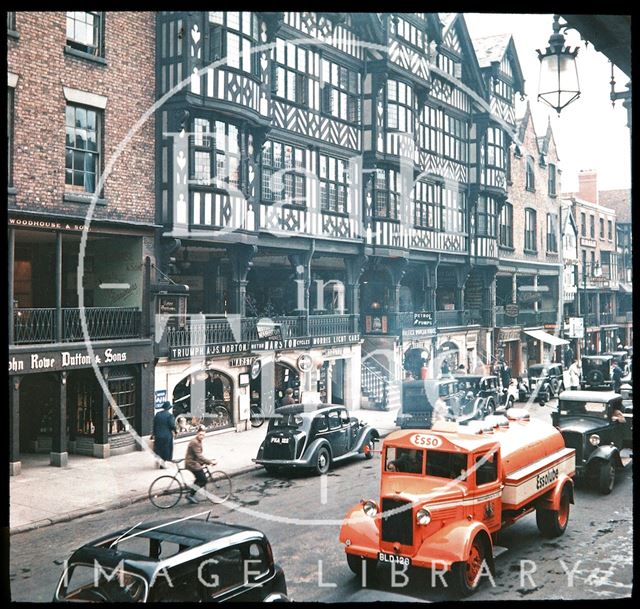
[(194, 460)]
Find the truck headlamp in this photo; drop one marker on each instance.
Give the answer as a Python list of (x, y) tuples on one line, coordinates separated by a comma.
[(594, 439), (370, 508), (423, 517)]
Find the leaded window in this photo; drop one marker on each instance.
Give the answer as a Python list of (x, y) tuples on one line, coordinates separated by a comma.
[(427, 201), (82, 148), (453, 211), (503, 89), (215, 154), (85, 31), (387, 195), (530, 242), (334, 183), (506, 225), (283, 177), (399, 107), (123, 392), (455, 138), (486, 216), (341, 91), (552, 233), (411, 34), (292, 80), (432, 130), (232, 35)]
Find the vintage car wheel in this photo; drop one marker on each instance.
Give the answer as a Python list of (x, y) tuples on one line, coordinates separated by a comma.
[(490, 407), (555, 387), (464, 574), (356, 562), (552, 523), (606, 477), (595, 377), (510, 402), (323, 460), (368, 449)]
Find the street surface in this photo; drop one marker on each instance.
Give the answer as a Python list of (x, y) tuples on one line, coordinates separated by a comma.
[(301, 516)]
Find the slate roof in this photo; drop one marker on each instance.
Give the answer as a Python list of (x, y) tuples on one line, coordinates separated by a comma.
[(491, 48)]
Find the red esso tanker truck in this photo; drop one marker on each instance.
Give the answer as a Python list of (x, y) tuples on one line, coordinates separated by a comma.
[(445, 492)]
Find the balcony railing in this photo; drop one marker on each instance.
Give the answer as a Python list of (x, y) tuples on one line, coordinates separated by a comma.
[(221, 330), (606, 318), (526, 318), (449, 318), (591, 319), (40, 325)]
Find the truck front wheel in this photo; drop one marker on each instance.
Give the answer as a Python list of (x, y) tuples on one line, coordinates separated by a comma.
[(465, 575), (552, 523), (606, 477)]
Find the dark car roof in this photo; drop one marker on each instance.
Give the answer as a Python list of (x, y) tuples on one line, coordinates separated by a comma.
[(189, 534), (602, 356), (543, 366)]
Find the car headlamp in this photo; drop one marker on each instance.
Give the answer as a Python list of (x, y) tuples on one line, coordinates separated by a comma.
[(370, 508), (423, 517), (594, 439)]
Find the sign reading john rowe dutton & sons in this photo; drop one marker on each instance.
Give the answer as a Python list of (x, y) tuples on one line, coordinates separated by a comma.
[(261, 345), (53, 361)]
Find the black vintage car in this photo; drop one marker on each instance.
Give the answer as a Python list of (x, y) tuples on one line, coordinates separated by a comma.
[(596, 372), (314, 437), (185, 560), (483, 386), (596, 425), (419, 398), (545, 381)]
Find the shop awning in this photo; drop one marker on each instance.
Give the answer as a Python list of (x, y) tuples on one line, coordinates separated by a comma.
[(545, 337)]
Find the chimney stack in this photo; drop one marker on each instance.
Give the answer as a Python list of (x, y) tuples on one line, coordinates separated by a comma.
[(588, 189)]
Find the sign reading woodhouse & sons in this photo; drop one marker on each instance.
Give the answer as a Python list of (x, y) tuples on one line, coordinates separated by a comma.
[(306, 342)]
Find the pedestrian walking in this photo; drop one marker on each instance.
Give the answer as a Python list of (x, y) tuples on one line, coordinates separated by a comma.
[(568, 356), (194, 460), (616, 377), (444, 368), (164, 429), (574, 375)]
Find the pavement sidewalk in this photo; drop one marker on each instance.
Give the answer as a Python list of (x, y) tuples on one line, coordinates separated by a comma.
[(43, 495)]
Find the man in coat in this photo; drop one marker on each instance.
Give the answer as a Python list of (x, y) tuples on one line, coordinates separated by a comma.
[(164, 429), (194, 460)]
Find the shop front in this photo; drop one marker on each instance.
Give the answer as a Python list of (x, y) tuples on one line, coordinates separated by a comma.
[(456, 349), (58, 405), (508, 348)]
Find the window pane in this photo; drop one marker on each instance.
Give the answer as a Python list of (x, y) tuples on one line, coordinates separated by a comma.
[(81, 118), (233, 50)]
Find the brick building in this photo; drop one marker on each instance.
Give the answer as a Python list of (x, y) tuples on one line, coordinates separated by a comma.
[(77, 84), (528, 282)]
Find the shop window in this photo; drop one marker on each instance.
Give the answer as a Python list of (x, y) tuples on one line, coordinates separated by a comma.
[(87, 407), (123, 392)]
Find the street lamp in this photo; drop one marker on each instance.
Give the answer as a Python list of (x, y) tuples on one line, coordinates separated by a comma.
[(558, 85)]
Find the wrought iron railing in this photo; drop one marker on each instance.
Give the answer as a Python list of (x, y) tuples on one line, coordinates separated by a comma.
[(449, 318), (219, 330), (35, 325), (374, 384), (606, 318)]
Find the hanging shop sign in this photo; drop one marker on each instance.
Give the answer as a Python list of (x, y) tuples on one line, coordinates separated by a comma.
[(511, 310), (306, 342), (304, 363), (256, 367), (423, 319), (509, 334)]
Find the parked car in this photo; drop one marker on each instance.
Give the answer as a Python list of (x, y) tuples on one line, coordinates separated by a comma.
[(314, 437), (509, 395), (588, 423), (483, 386), (185, 560), (596, 372), (545, 381)]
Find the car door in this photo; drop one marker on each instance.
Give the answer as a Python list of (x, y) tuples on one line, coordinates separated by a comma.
[(338, 434)]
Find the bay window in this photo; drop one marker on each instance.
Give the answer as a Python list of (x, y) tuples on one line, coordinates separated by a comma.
[(232, 34)]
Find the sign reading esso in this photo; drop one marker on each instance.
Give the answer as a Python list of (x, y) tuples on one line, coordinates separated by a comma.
[(425, 440)]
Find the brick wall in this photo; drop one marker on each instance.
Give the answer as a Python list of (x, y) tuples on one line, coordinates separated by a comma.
[(127, 80)]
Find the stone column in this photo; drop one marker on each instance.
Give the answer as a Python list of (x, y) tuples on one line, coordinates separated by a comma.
[(59, 456), (241, 258), (489, 296), (15, 465), (354, 269)]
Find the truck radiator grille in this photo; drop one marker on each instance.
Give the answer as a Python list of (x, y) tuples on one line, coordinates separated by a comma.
[(574, 440), (399, 525)]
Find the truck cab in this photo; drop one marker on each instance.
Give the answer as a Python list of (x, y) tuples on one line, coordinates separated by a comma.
[(446, 492)]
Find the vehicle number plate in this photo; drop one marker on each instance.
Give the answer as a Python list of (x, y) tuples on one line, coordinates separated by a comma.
[(279, 440), (401, 560)]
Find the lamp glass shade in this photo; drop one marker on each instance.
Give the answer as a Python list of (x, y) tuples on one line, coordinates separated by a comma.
[(558, 84)]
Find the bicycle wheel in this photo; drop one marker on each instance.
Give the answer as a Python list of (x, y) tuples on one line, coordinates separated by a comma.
[(165, 492), (257, 417), (222, 416), (218, 487)]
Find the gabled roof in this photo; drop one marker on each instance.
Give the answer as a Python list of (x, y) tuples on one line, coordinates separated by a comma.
[(491, 50), (566, 216), (521, 129), (471, 74), (544, 142)]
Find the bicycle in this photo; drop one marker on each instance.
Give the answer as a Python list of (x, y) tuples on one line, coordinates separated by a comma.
[(166, 491)]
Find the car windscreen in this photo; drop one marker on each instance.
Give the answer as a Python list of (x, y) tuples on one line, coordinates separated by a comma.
[(597, 409), (403, 460), (445, 464), (94, 583), (281, 421)]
